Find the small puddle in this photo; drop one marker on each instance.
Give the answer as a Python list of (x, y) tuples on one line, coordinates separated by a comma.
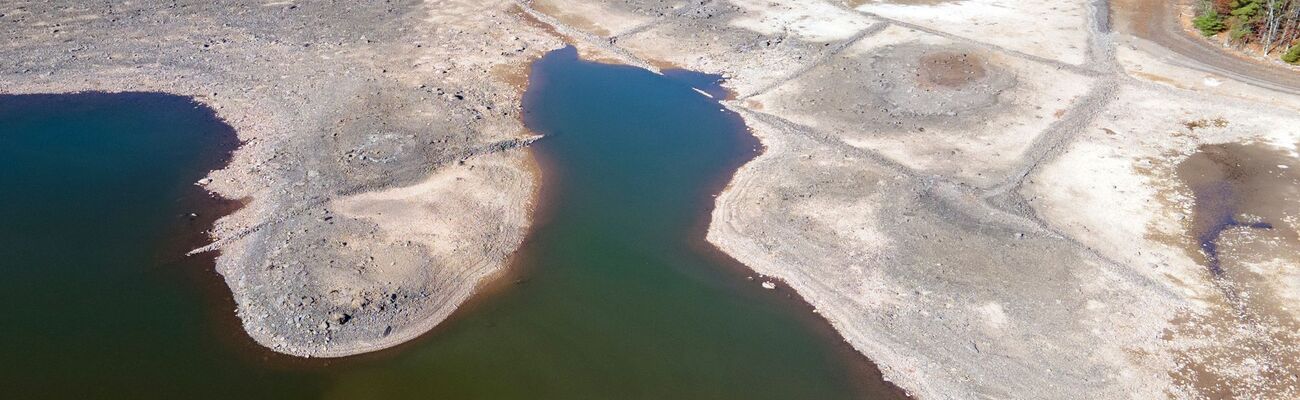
[(1243, 229), (1239, 186)]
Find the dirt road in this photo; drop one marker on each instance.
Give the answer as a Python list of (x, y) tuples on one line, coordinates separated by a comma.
[(1157, 22)]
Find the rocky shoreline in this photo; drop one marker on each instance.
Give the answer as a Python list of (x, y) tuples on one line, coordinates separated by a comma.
[(335, 110), (920, 172), (984, 209)]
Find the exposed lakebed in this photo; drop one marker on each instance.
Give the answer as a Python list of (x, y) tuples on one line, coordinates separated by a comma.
[(614, 294), (1243, 229), (1239, 186)]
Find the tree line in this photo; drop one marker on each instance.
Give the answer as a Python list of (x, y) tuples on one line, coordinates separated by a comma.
[(1267, 25)]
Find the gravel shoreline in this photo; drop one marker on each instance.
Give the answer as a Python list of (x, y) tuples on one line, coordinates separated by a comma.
[(331, 104)]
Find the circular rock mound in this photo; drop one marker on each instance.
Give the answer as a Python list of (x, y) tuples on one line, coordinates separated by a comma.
[(925, 80)]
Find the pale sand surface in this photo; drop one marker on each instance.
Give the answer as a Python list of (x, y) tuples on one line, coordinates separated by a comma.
[(1051, 29), (1001, 251), (1116, 188)]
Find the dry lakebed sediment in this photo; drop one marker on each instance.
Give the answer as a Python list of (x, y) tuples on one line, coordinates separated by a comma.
[(987, 198)]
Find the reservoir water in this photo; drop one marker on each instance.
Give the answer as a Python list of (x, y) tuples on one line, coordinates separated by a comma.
[(97, 191), (614, 295)]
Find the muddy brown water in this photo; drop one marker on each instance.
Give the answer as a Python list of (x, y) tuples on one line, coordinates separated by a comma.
[(1246, 198), (1239, 186)]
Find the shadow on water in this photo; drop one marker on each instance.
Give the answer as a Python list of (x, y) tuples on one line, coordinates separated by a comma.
[(615, 293)]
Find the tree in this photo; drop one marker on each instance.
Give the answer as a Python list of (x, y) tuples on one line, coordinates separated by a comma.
[(1289, 20), (1272, 21), (1243, 20), (1292, 56), (1272, 24), (1210, 22)]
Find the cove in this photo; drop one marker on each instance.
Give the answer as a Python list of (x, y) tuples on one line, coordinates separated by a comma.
[(614, 295)]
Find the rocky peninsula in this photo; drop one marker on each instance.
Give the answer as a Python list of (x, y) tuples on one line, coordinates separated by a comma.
[(382, 170), (988, 198)]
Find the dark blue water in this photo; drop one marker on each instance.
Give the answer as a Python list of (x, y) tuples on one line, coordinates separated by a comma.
[(1231, 180), (710, 84), (1216, 207), (614, 295), (97, 193)]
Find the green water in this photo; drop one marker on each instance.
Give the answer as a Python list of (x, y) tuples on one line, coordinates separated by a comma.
[(613, 296), (95, 196)]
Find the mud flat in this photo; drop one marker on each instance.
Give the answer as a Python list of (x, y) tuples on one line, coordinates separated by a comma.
[(932, 104), (1199, 196), (380, 165), (1044, 29), (924, 185)]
